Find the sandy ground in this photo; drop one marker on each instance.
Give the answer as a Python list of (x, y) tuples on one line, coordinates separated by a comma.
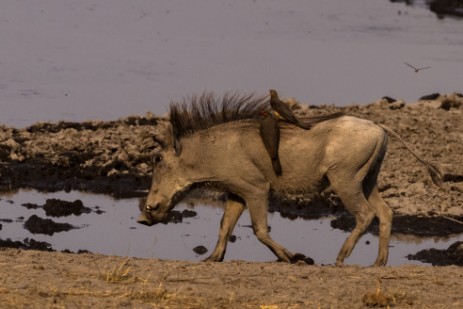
[(33, 279)]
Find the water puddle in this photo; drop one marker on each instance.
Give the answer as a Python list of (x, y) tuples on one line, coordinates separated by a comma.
[(338, 52), (111, 228)]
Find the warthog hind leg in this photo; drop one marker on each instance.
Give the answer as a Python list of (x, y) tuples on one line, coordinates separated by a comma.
[(384, 214), (358, 206)]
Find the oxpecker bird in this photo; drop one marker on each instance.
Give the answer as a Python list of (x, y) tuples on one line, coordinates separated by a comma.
[(270, 134), (283, 111)]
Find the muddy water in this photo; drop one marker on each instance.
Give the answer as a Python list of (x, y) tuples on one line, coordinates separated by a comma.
[(81, 60), (111, 228)]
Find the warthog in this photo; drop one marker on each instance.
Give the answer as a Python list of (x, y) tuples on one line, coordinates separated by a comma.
[(219, 145)]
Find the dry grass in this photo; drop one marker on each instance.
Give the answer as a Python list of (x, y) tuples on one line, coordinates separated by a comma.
[(378, 298), (381, 298), (142, 291), (117, 273), (139, 289)]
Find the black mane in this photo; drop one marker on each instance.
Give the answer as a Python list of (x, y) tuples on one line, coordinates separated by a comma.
[(201, 112)]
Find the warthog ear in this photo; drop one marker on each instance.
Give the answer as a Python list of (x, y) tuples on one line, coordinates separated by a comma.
[(177, 147), (166, 138), (172, 140)]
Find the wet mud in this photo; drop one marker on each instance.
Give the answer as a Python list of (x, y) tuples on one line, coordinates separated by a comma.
[(37, 225), (408, 224), (442, 8), (59, 208), (453, 255), (26, 244)]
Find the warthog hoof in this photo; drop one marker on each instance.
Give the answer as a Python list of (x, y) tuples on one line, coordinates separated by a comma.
[(301, 257), (144, 219)]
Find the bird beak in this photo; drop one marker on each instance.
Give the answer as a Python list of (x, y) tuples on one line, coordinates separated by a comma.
[(278, 115)]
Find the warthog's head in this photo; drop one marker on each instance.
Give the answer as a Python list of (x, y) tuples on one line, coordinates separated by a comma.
[(168, 185)]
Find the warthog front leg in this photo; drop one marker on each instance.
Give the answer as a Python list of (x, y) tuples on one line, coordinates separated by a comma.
[(233, 211)]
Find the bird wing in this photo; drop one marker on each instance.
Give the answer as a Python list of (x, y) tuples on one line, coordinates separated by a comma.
[(423, 68), (270, 134), (410, 66), (283, 110)]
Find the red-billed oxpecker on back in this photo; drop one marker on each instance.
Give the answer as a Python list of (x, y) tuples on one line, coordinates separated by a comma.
[(283, 111), (269, 129), (270, 134)]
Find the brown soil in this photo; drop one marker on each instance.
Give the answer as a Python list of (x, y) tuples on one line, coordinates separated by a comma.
[(34, 279), (114, 157)]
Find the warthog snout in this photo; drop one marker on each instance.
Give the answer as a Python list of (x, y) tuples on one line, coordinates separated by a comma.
[(145, 219), (152, 207)]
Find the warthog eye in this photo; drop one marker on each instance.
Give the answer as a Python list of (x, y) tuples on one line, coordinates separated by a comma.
[(157, 158)]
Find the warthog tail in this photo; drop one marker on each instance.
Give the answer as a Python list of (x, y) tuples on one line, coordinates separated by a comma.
[(433, 169)]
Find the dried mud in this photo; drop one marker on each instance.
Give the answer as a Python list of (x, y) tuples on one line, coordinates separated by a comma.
[(115, 158), (36, 279)]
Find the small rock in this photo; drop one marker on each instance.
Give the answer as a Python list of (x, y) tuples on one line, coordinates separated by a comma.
[(387, 102), (430, 97), (451, 101), (200, 250), (388, 99)]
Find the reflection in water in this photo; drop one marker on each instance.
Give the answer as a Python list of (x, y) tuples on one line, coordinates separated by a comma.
[(113, 230), (413, 240)]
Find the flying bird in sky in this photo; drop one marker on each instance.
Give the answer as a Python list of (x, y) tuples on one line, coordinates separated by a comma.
[(415, 68)]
